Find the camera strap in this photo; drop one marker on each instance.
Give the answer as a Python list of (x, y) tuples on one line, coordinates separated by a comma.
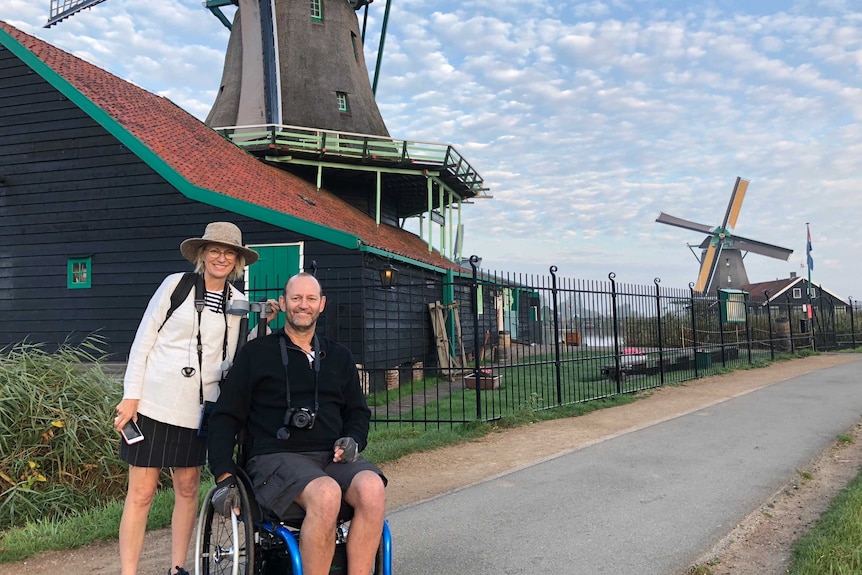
[(200, 304), (315, 362)]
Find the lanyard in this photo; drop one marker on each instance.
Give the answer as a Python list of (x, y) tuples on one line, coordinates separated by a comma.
[(315, 362), (199, 306)]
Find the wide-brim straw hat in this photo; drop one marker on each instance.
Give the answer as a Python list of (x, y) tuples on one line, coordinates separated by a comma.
[(224, 233)]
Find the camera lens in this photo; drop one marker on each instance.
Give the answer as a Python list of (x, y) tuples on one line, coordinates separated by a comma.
[(300, 419)]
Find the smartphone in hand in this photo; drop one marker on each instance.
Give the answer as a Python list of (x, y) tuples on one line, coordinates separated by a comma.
[(132, 433)]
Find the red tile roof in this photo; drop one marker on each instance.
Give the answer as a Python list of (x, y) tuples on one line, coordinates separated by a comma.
[(205, 159)]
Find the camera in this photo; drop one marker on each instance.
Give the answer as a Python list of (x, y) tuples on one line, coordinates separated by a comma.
[(300, 418)]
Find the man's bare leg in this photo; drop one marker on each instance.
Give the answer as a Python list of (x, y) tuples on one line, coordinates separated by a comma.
[(367, 496), (321, 500)]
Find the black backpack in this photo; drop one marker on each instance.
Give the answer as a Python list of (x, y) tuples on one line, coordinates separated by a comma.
[(181, 292)]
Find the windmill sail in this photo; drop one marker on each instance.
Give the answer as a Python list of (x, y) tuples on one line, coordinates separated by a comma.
[(62, 9), (721, 249)]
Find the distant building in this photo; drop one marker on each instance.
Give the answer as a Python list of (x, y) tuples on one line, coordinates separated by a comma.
[(792, 290)]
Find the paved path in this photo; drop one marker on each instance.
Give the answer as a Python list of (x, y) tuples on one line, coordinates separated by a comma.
[(646, 503)]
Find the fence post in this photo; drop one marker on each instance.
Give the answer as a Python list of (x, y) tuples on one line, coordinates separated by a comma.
[(790, 321), (693, 328), (617, 362), (721, 326), (748, 336), (474, 260), (769, 323), (557, 359), (657, 281), (852, 323)]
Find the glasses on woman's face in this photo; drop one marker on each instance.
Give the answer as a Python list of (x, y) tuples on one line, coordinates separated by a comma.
[(216, 253)]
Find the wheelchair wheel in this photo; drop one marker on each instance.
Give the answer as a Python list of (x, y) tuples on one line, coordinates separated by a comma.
[(226, 546)]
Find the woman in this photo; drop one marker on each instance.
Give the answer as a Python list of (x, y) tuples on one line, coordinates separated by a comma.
[(168, 380)]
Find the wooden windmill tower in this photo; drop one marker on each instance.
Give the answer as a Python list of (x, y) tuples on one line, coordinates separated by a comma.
[(311, 74), (284, 66), (721, 264)]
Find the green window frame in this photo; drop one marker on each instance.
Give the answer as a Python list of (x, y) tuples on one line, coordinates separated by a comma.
[(317, 10), (343, 104), (79, 273)]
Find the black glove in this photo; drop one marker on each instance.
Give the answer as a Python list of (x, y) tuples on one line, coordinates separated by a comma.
[(351, 449), (226, 496)]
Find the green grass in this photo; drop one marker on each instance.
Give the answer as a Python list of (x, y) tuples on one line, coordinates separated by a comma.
[(834, 545), (532, 385)]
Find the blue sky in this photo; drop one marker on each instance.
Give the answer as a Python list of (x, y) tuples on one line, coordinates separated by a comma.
[(586, 119)]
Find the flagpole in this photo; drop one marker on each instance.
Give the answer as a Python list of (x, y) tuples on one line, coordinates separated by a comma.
[(808, 257), (808, 263)]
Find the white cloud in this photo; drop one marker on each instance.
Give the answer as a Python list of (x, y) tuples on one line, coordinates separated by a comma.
[(586, 119)]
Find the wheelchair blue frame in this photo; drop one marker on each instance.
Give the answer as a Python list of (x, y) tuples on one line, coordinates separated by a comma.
[(218, 554), (296, 560)]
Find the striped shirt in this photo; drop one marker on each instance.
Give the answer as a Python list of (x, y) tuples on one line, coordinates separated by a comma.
[(214, 301)]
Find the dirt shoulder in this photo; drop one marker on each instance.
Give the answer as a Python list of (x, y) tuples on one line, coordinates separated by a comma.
[(759, 545)]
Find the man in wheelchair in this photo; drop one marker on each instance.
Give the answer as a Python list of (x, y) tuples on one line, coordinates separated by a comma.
[(299, 399)]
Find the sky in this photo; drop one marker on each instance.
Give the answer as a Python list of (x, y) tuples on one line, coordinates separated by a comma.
[(586, 119)]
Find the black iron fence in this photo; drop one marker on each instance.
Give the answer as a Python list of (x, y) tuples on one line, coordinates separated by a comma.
[(479, 348)]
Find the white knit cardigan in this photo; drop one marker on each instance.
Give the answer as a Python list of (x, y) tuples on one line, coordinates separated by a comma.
[(157, 358)]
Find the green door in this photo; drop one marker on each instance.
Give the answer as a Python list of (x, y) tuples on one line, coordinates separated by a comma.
[(267, 276)]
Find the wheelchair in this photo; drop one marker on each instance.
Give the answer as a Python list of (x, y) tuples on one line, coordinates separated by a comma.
[(253, 543)]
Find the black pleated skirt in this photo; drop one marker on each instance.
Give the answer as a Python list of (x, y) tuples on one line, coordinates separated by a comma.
[(164, 445)]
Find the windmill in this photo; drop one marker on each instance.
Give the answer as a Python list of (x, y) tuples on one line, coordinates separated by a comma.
[(296, 93), (284, 67), (721, 264)]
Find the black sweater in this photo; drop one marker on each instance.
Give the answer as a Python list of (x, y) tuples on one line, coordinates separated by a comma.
[(254, 397)]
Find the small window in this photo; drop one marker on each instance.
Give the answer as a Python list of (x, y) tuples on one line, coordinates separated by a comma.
[(353, 44), (78, 273), (343, 105), (813, 292), (317, 10), (797, 293)]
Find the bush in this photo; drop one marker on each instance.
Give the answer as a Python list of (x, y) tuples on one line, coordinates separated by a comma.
[(58, 449)]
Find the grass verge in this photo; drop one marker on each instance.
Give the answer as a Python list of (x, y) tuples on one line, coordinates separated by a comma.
[(834, 545)]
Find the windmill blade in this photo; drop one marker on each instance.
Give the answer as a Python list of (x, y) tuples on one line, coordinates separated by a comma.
[(735, 203), (762, 248), (664, 218), (707, 267), (62, 9)]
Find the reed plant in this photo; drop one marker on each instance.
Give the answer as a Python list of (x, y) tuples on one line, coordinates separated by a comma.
[(58, 449)]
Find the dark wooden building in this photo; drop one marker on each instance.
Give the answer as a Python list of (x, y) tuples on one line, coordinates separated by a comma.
[(101, 180), (793, 291)]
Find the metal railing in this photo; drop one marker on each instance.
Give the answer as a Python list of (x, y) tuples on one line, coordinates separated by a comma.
[(511, 342), (351, 147)]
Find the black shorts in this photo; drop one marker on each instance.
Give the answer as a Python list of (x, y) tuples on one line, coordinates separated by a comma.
[(164, 445), (279, 478)]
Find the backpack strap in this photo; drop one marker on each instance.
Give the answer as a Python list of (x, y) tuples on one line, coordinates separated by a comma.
[(181, 292)]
